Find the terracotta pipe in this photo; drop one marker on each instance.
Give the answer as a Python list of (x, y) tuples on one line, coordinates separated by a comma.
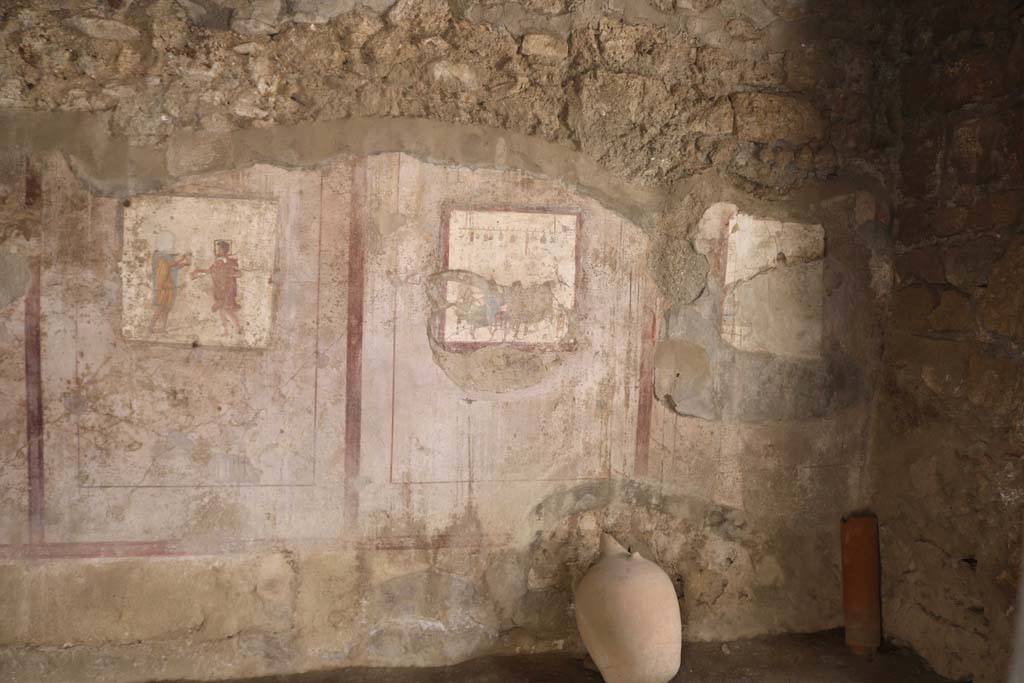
[(862, 603)]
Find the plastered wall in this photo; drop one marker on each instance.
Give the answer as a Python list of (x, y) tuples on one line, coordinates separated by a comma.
[(400, 447), (402, 475)]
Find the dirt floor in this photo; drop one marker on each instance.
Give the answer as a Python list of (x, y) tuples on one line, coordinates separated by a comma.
[(818, 658)]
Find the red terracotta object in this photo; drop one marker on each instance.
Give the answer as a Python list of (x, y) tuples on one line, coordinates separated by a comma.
[(862, 603)]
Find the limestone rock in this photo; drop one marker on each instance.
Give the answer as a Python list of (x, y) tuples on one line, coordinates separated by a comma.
[(103, 29), (616, 133), (454, 74), (968, 265), (924, 265), (545, 48), (546, 6), (976, 151), (423, 17), (259, 18), (710, 118), (953, 314), (323, 11), (1002, 306), (767, 118)]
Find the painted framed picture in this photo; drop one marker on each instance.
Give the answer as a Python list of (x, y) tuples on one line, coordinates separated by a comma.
[(510, 277), (198, 270)]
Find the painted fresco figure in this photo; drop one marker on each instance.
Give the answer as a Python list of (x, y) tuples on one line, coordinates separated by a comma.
[(166, 265), (224, 272)]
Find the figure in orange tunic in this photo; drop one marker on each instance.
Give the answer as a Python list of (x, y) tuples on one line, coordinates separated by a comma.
[(165, 286), (224, 272)]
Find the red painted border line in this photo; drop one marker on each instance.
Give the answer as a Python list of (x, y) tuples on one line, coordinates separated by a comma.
[(354, 341), (646, 397), (34, 401)]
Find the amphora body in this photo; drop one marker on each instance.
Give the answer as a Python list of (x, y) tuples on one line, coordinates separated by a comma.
[(628, 616)]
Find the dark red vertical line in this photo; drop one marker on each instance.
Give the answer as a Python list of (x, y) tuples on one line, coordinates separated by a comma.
[(354, 341), (646, 397), (316, 353), (394, 374), (33, 184), (34, 401)]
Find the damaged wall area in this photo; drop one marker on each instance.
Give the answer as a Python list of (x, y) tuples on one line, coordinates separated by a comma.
[(764, 388), (947, 451)]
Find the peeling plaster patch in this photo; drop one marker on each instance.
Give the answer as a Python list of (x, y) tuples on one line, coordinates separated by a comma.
[(773, 277), (13, 278), (496, 369), (759, 244), (779, 312), (714, 226), (683, 378)]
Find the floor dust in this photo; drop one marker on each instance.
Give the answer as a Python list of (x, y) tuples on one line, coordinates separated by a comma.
[(817, 658)]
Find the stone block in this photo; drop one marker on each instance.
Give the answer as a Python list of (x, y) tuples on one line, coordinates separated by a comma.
[(421, 17), (953, 314), (919, 80), (967, 265), (912, 308), (977, 150), (974, 77), (323, 11), (767, 118), (545, 48), (710, 118), (104, 29), (921, 265), (546, 6), (454, 75), (921, 161), (258, 18), (1002, 305), (994, 381)]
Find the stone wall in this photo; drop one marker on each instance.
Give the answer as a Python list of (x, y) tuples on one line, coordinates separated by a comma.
[(950, 427), (357, 483)]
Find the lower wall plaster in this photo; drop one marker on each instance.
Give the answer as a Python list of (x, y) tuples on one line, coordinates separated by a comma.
[(359, 494)]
